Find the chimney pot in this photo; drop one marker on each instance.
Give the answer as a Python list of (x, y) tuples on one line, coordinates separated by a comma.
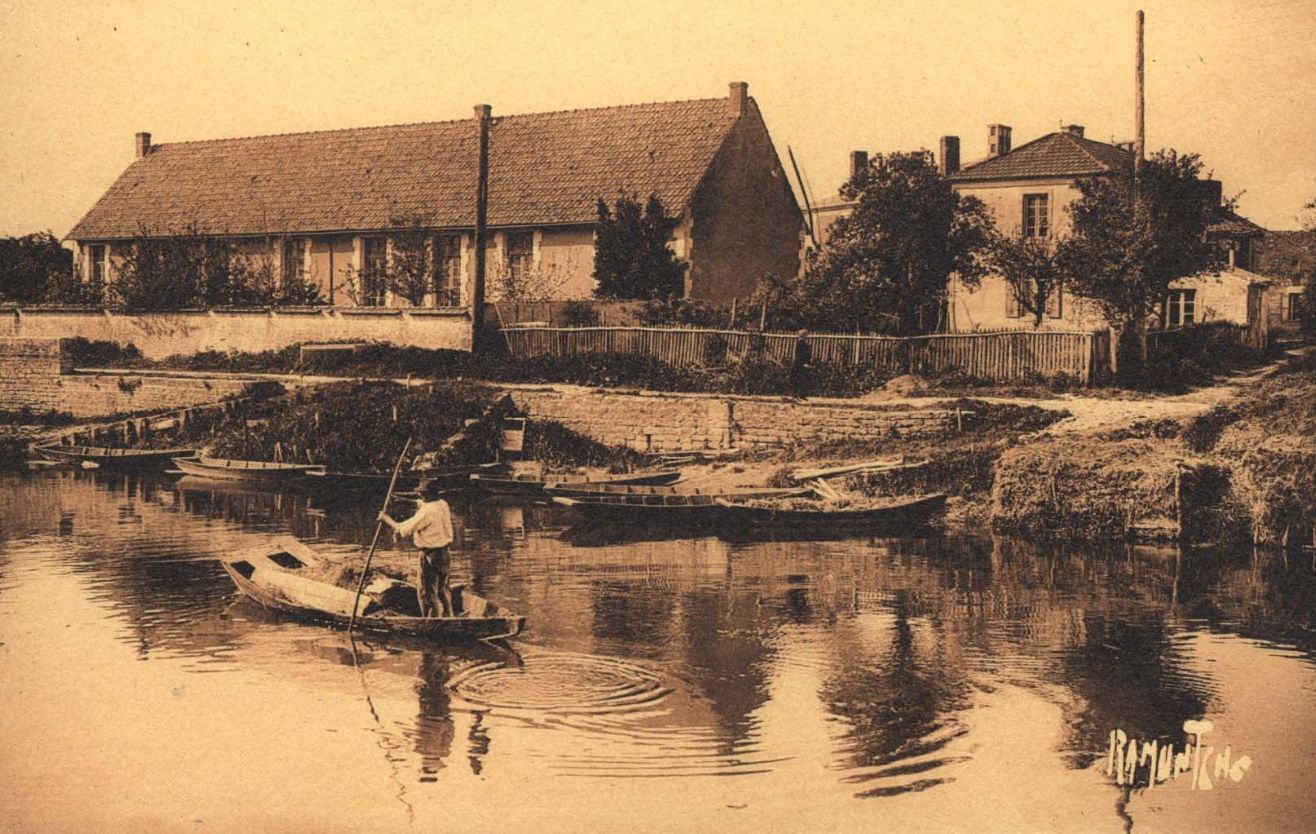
[(482, 111), (949, 161), (1074, 130), (143, 144), (739, 99), (858, 162), (998, 140)]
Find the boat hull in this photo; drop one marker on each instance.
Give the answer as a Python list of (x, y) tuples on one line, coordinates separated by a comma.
[(220, 470), (267, 575), (657, 505), (911, 512), (499, 485), (111, 458)]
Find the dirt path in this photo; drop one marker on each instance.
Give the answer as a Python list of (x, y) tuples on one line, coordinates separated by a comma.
[(1092, 415)]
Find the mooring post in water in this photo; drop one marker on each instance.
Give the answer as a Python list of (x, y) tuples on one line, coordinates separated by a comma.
[(1178, 500)]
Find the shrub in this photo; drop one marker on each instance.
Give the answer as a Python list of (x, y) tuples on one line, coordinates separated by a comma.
[(580, 314), (101, 354), (1205, 429)]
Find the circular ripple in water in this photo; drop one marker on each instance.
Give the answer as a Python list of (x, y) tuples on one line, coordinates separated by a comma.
[(561, 683)]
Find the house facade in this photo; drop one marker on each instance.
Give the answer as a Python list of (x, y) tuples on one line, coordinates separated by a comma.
[(332, 207), (1029, 190)]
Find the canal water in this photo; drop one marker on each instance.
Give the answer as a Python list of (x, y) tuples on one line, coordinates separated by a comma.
[(665, 682)]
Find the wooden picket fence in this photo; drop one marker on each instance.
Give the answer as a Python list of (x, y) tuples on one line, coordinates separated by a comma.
[(1001, 356)]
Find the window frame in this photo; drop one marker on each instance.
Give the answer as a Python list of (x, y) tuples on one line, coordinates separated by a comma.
[(294, 260), (1040, 206), (374, 271), (448, 270), (98, 258), (1177, 303), (520, 262)]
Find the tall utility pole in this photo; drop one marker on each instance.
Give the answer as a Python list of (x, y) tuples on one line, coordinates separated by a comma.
[(1139, 129), (482, 112)]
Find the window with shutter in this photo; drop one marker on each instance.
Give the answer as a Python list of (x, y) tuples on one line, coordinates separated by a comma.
[(1055, 303), (1013, 307)]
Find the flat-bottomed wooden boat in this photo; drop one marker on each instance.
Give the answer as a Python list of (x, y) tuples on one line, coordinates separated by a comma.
[(658, 504), (252, 471), (111, 458), (532, 485), (282, 576), (906, 511)]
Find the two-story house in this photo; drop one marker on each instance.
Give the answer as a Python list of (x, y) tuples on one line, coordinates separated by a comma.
[(1028, 190)]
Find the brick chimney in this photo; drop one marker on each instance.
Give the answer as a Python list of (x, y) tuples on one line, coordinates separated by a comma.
[(858, 162), (738, 101), (998, 140), (1073, 130), (143, 144), (949, 161)]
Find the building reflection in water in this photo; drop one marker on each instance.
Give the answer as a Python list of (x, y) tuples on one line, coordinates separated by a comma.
[(904, 632)]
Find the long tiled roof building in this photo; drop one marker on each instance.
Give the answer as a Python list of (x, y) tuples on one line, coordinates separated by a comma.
[(325, 201)]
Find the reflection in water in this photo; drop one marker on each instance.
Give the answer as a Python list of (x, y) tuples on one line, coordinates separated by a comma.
[(840, 679)]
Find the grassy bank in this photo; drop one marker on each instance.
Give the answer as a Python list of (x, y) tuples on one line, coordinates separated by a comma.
[(961, 465), (1244, 469)]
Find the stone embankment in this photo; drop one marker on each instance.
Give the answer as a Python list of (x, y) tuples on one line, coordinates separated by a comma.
[(37, 375)]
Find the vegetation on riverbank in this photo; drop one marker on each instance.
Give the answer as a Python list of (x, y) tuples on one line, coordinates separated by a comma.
[(1244, 469), (1181, 360), (360, 426), (961, 465)]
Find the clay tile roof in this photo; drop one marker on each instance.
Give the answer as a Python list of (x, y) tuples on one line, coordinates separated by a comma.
[(1231, 223), (1053, 155), (545, 168)]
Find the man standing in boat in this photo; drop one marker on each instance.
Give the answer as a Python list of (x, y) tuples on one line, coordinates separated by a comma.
[(431, 531)]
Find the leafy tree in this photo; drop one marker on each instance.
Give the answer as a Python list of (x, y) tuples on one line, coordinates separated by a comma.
[(1033, 269), (411, 265), (173, 272), (189, 270), (259, 281), (886, 267), (537, 283), (31, 265), (631, 256), (1132, 238)]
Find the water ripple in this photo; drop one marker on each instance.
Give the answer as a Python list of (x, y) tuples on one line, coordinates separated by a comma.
[(562, 683)]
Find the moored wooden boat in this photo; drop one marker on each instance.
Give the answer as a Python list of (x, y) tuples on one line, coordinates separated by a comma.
[(452, 478), (222, 469), (281, 576), (889, 513), (532, 485), (657, 504), (108, 457)]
